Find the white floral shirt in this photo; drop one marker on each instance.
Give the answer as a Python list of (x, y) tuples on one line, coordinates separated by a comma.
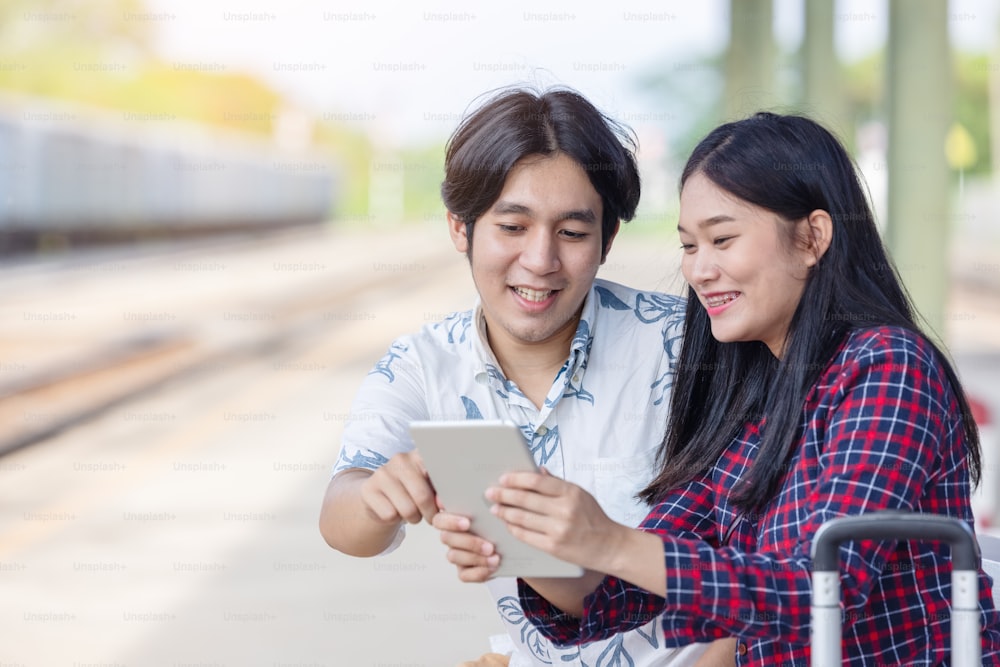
[(599, 427)]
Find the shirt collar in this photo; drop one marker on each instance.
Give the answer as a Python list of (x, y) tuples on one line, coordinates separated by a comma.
[(579, 348)]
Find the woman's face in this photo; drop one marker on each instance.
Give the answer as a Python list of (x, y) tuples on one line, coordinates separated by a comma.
[(741, 262)]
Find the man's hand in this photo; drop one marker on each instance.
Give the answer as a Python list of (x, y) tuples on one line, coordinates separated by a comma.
[(400, 491), (488, 660), (475, 558)]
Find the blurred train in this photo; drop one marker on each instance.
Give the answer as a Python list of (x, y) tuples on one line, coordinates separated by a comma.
[(70, 176)]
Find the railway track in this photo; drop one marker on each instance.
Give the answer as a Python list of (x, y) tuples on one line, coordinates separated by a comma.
[(335, 286), (115, 370)]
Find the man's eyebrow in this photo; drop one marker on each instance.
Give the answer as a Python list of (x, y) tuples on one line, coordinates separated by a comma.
[(708, 222), (511, 207), (583, 215)]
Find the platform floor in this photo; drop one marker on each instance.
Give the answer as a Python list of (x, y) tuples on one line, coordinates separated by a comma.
[(180, 529)]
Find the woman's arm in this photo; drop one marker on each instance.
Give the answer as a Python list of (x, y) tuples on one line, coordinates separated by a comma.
[(562, 519), (476, 560), (566, 522), (567, 594)]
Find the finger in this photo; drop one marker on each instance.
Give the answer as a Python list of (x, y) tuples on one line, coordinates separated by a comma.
[(470, 559), (524, 520), (401, 501), (475, 575), (418, 462), (382, 501), (473, 566), (421, 493), (381, 507), (488, 660), (406, 484), (452, 522), (467, 542), (544, 483), (532, 538), (385, 486), (527, 500)]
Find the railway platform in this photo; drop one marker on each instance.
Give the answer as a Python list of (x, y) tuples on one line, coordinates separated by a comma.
[(177, 525)]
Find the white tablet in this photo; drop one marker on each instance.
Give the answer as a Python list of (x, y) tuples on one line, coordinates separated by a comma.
[(463, 459)]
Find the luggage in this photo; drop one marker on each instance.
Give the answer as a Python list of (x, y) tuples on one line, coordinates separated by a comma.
[(825, 628)]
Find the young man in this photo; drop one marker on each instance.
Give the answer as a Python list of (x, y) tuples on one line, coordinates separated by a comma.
[(535, 186)]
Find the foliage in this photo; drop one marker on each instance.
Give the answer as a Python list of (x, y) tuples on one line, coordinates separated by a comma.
[(97, 53)]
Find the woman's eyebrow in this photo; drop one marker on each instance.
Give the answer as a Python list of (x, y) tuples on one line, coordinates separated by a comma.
[(708, 222)]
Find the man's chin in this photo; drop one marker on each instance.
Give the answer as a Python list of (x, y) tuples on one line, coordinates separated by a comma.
[(537, 332)]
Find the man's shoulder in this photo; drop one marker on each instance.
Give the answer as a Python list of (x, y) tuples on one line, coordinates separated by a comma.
[(644, 306), (629, 294), (436, 350), (450, 334)]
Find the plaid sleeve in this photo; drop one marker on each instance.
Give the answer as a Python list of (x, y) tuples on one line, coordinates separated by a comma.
[(890, 432), (876, 445), (617, 606)]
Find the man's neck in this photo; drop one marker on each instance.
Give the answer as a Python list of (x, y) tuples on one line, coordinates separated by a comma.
[(532, 366)]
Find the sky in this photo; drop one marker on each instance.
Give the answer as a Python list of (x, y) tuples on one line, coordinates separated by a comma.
[(405, 72)]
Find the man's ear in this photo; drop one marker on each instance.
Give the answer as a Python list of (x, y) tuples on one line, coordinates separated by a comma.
[(458, 232), (819, 227), (610, 240)]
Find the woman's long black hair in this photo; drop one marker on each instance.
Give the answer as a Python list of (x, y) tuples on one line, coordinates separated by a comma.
[(792, 166)]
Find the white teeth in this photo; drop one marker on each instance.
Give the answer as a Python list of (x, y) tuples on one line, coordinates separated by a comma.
[(532, 295), (721, 299)]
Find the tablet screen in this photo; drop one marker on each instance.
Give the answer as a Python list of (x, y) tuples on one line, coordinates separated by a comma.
[(463, 459)]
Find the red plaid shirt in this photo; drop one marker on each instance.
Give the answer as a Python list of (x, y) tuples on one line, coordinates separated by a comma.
[(881, 431)]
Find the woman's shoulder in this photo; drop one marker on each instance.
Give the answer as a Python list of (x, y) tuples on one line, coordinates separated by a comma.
[(886, 340), (885, 349)]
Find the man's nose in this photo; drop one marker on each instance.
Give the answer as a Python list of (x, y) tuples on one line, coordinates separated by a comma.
[(540, 254)]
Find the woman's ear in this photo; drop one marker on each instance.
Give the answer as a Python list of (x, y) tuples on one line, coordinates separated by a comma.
[(819, 227), (458, 232)]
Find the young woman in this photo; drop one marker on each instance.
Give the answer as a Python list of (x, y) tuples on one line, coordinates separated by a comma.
[(805, 391)]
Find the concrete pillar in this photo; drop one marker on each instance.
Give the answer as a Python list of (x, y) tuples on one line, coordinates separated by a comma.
[(919, 87), (993, 78), (823, 90), (750, 59)]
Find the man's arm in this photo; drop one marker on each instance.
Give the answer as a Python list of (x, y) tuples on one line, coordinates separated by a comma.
[(363, 509)]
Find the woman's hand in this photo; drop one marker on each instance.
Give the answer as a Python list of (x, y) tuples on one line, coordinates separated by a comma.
[(562, 519), (475, 558), (557, 517)]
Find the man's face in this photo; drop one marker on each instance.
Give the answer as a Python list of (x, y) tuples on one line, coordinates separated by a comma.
[(535, 253)]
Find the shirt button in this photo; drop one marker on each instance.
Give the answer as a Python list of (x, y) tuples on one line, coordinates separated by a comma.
[(542, 430), (741, 649), (576, 379)]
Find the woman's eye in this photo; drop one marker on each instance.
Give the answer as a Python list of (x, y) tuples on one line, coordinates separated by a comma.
[(722, 239)]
